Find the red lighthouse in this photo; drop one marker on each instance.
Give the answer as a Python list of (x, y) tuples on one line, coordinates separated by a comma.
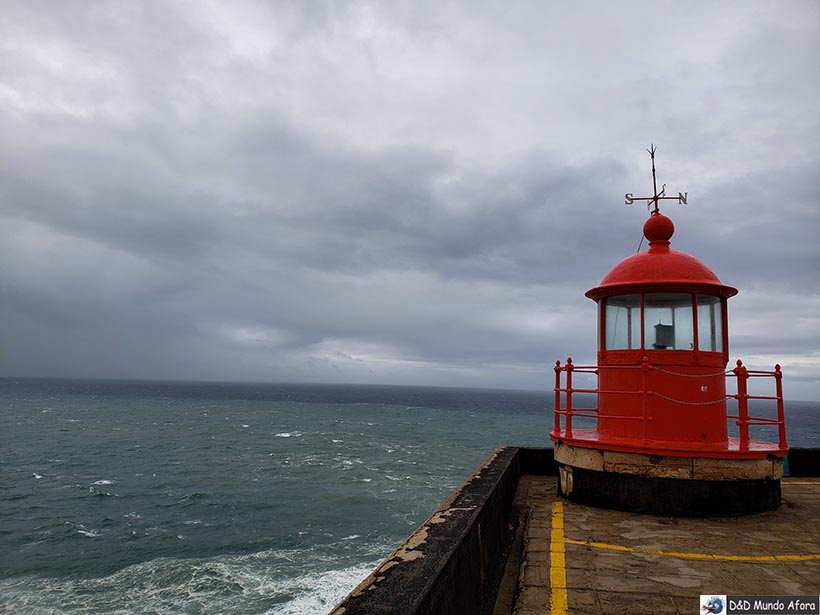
[(662, 438)]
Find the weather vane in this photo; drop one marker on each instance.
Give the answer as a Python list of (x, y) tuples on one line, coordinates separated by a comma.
[(657, 196)]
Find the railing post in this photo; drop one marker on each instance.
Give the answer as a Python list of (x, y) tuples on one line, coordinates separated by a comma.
[(557, 411), (569, 368), (742, 405), (781, 416)]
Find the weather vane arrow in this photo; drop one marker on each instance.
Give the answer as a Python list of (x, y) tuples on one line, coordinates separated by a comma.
[(657, 196)]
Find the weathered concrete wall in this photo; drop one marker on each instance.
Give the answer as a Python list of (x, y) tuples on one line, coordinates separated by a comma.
[(538, 461), (804, 462), (453, 563)]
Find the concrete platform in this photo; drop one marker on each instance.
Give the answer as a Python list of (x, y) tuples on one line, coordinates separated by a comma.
[(578, 559), (505, 543)]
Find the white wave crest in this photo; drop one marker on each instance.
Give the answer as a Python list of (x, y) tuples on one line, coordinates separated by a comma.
[(93, 534), (317, 594), (230, 585)]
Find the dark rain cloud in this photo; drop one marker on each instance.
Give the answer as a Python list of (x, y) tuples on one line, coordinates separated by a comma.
[(399, 194)]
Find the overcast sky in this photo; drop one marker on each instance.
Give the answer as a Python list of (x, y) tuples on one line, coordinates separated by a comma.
[(393, 192)]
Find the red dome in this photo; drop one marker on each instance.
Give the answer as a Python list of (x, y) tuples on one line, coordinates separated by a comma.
[(660, 268)]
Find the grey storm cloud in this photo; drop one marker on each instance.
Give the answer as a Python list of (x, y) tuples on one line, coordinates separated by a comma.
[(404, 193)]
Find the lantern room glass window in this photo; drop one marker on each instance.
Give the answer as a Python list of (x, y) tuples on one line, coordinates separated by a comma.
[(668, 321), (623, 322), (710, 323)]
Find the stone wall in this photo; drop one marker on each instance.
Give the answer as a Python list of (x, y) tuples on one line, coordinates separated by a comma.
[(453, 563)]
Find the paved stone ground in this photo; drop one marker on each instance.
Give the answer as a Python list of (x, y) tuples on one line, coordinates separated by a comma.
[(618, 562)]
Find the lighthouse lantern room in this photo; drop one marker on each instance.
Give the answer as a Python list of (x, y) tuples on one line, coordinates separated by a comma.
[(659, 438)]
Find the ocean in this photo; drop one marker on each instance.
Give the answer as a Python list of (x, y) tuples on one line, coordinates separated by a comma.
[(191, 498)]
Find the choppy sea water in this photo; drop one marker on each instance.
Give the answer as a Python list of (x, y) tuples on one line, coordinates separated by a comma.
[(174, 498)]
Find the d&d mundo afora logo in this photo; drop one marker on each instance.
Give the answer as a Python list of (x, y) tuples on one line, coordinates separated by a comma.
[(712, 605)]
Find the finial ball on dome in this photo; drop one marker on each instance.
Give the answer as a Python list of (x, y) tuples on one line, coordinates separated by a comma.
[(658, 228)]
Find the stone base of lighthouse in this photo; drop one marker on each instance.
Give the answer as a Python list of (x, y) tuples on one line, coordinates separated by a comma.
[(668, 485)]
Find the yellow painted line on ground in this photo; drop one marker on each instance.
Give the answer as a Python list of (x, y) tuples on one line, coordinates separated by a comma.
[(558, 568), (706, 556), (800, 482)]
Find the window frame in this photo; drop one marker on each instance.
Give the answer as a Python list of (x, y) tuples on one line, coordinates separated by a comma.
[(721, 321)]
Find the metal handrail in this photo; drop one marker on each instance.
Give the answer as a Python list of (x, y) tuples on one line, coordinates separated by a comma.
[(743, 419)]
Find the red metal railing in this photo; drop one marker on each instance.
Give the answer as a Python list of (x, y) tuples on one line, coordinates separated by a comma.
[(743, 420)]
